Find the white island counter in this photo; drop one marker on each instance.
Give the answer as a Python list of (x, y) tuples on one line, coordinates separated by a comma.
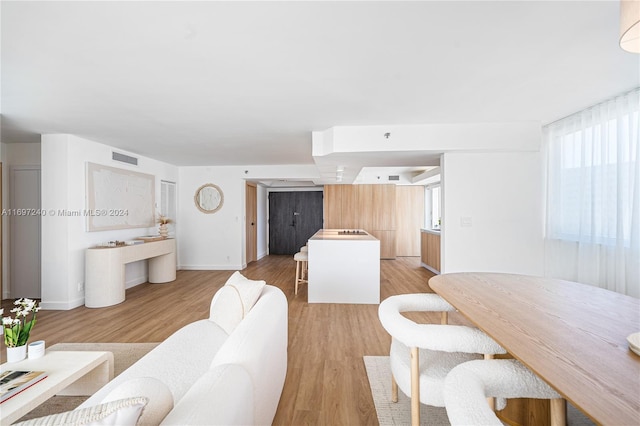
[(344, 267)]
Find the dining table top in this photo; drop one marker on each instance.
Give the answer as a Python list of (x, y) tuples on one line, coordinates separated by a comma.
[(572, 335)]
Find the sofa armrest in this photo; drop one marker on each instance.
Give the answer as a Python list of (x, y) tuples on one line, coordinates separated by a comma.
[(259, 345)]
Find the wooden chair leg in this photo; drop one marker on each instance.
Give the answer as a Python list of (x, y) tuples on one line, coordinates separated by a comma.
[(394, 389), (305, 271), (558, 412), (415, 387), (491, 401), (297, 276), (444, 318)]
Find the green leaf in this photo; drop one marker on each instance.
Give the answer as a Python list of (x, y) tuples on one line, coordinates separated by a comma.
[(9, 337), (24, 335)]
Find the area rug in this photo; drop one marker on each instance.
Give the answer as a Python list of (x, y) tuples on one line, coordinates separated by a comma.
[(396, 413), (124, 355), (399, 413)]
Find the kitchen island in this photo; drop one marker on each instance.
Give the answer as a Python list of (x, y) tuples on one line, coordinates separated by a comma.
[(344, 267)]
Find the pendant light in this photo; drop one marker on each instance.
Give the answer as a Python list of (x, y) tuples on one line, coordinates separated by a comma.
[(630, 25)]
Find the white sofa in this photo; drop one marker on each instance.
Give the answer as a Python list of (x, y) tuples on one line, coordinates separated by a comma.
[(228, 369)]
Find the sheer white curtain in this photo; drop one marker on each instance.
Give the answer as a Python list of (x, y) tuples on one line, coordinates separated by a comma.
[(593, 204)]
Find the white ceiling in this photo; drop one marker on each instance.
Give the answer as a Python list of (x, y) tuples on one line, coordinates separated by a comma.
[(245, 83)]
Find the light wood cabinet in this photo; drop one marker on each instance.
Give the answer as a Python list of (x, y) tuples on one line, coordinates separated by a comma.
[(410, 215), (384, 207), (332, 206), (430, 250), (350, 207), (368, 207), (387, 243)]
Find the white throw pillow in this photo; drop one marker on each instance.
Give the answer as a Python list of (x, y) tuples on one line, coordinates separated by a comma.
[(249, 290), (123, 412), (226, 308), (159, 396)]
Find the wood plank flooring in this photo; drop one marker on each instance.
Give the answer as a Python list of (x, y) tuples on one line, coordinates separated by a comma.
[(326, 381)]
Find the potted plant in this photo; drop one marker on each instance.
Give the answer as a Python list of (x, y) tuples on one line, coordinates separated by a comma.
[(16, 330)]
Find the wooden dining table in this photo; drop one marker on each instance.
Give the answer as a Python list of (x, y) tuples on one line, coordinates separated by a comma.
[(572, 335)]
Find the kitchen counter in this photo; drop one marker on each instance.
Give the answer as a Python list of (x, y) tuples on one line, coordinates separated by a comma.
[(431, 231), (430, 249), (343, 235), (344, 267)]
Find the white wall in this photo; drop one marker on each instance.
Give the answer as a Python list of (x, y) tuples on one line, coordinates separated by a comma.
[(492, 212), (217, 241), (64, 238), (211, 241)]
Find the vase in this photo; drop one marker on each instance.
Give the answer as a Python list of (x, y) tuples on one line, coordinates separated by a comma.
[(16, 354), (164, 232)]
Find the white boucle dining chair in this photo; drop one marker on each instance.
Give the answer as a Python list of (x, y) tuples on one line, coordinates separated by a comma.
[(468, 385), (421, 355)]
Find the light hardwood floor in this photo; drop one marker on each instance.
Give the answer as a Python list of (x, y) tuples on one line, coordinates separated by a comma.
[(326, 380)]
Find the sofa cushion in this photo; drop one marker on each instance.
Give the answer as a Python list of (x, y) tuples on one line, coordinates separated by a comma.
[(222, 396), (122, 412), (158, 394), (226, 308), (249, 290), (178, 361)]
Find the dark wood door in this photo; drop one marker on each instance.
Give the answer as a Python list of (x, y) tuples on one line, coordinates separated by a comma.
[(293, 218)]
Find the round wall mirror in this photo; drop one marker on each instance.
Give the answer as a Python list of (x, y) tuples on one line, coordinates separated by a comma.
[(209, 198)]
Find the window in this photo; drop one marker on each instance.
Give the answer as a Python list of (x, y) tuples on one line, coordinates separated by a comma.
[(432, 203), (593, 196), (168, 204), (436, 215), (593, 183)]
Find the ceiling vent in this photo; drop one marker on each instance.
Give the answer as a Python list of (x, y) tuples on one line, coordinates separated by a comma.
[(124, 158), (394, 177)]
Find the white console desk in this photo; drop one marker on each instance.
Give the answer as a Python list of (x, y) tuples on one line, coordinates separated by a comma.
[(104, 269)]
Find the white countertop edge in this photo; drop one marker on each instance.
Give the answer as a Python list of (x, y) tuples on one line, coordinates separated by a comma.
[(431, 231), (333, 235)]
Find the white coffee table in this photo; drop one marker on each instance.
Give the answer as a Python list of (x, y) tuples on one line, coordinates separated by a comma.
[(69, 373)]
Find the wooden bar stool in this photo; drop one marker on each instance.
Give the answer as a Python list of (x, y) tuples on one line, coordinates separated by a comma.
[(305, 249), (301, 259)]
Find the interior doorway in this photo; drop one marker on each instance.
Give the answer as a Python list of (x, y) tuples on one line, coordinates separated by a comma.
[(293, 218), (24, 225)]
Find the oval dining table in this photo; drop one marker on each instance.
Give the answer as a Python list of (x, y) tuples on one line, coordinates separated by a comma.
[(572, 335)]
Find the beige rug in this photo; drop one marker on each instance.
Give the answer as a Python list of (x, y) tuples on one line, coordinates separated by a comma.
[(399, 413), (124, 355), (396, 413)]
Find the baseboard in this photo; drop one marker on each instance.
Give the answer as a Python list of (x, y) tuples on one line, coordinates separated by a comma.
[(211, 267), (136, 281), (260, 256), (62, 306)]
